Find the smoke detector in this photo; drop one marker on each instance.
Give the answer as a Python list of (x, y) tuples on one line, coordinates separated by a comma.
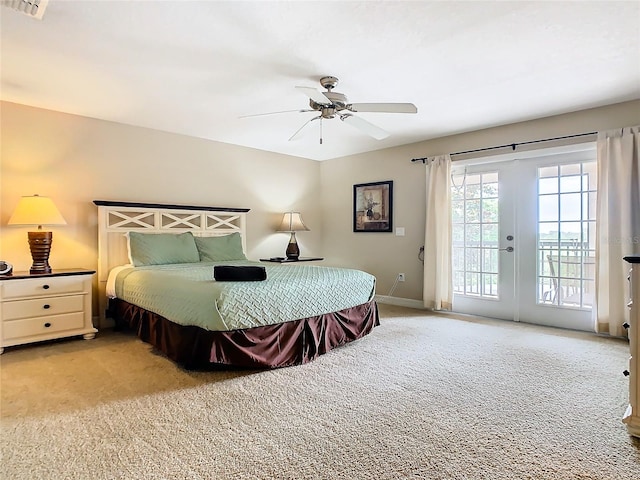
[(31, 8)]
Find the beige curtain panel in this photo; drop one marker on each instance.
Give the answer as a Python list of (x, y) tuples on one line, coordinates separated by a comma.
[(617, 225), (438, 275)]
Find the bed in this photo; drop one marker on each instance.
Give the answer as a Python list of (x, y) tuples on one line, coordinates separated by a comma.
[(156, 277)]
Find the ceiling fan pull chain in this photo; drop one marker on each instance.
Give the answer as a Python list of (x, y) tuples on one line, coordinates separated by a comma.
[(320, 130)]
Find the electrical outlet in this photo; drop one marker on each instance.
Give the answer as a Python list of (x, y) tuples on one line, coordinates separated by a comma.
[(401, 277)]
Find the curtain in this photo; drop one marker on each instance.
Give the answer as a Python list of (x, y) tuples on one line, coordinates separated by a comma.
[(617, 225), (438, 281)]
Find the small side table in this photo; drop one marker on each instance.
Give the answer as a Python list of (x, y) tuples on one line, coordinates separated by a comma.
[(46, 306), (290, 260)]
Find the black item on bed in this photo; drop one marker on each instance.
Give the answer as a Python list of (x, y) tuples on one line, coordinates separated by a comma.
[(243, 273)]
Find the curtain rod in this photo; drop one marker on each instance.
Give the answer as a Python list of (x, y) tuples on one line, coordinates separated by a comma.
[(512, 145)]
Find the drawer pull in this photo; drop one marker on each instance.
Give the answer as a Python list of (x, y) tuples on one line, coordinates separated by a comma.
[(45, 286), (626, 325), (46, 306), (626, 373), (47, 325)]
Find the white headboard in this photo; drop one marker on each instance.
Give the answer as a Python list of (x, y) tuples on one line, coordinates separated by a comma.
[(115, 219)]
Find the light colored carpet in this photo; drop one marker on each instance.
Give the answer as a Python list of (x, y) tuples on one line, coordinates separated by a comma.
[(422, 397)]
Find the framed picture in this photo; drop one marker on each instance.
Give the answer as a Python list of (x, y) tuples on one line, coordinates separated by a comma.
[(373, 207)]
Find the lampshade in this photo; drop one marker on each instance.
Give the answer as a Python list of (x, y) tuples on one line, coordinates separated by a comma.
[(36, 210), (292, 222)]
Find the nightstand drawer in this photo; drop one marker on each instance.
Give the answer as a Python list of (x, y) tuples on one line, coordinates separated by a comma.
[(41, 307), (42, 325), (32, 287)]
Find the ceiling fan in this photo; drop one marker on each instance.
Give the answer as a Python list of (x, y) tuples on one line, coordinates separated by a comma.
[(332, 104)]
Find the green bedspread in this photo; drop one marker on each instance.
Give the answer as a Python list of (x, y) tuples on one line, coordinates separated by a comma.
[(187, 293)]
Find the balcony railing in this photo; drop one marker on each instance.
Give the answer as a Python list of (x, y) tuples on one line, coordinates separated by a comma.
[(565, 272)]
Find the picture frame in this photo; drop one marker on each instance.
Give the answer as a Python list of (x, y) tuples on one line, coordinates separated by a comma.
[(373, 207)]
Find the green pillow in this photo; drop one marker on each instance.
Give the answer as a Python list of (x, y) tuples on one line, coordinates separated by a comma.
[(162, 248), (216, 249)]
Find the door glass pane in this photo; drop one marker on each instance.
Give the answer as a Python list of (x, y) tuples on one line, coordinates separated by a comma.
[(547, 208), (548, 185), (472, 257), (457, 211), (566, 235), (570, 206), (472, 211), (570, 183), (475, 234)]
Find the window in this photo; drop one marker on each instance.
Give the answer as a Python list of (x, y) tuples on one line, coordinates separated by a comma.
[(475, 234), (566, 234)]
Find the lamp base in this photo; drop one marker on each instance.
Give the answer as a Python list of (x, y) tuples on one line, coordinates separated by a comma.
[(293, 252), (40, 246)]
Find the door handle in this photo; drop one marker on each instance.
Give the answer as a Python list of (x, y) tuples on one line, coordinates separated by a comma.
[(507, 249)]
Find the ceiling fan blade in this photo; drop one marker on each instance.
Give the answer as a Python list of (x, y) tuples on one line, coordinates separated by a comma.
[(304, 125), (383, 107), (275, 113), (364, 126), (315, 95)]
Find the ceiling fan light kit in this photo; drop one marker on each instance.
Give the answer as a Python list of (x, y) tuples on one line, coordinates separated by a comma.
[(332, 104)]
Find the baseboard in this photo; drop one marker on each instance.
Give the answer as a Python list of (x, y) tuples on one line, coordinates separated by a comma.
[(401, 302)]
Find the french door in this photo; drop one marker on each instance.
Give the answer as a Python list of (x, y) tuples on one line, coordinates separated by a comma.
[(524, 239)]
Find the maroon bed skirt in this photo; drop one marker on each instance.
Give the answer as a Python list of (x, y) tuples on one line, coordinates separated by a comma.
[(271, 346)]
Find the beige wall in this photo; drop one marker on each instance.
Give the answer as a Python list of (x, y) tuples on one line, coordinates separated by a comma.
[(76, 160), (385, 254)]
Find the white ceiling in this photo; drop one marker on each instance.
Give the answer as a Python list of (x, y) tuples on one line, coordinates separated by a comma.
[(195, 67)]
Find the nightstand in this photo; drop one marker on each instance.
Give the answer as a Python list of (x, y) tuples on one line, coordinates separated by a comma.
[(34, 308), (632, 415), (287, 260)]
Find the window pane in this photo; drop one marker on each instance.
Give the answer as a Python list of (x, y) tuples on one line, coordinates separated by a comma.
[(490, 190), (457, 234), (547, 291), (548, 230), (472, 186), (458, 258), (490, 260), (571, 169), (570, 234), (570, 184), (457, 211), (472, 211), (490, 234), (472, 286), (548, 172), (490, 210), (547, 208), (570, 265), (548, 185), (570, 206), (545, 261), (472, 259), (473, 235), (489, 284)]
